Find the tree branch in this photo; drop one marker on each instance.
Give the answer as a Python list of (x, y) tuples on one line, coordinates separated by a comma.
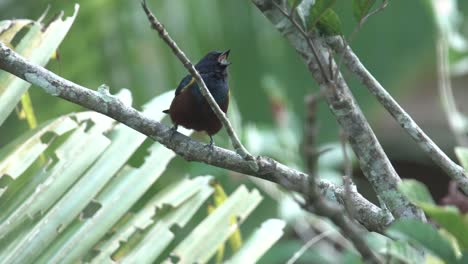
[(372, 159), (156, 25), (337, 215), (372, 217), (353, 63), (309, 148)]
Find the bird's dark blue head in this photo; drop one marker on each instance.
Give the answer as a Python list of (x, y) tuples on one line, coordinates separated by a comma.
[(214, 61)]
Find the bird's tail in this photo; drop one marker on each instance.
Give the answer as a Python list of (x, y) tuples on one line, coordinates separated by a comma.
[(166, 111)]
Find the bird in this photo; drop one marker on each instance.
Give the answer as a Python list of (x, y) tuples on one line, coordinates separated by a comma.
[(189, 107)]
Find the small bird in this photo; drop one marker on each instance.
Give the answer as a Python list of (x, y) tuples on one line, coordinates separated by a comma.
[(189, 108)]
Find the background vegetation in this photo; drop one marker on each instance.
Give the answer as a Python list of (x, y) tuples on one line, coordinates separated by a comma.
[(111, 42)]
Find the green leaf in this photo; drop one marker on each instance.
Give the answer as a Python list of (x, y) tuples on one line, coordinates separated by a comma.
[(416, 192), (259, 242), (447, 217), (9, 28), (403, 252), (424, 235), (16, 157), (351, 257), (74, 157), (462, 155), (329, 24), (361, 8), (39, 194), (323, 18), (200, 245), (219, 197), (158, 235), (27, 111), (400, 250), (451, 220), (133, 183), (37, 46)]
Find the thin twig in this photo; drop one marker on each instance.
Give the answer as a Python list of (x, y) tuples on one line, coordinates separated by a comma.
[(380, 8), (348, 166), (358, 27), (309, 144), (308, 40), (155, 24), (309, 147), (319, 225), (307, 245), (457, 122), (348, 171), (364, 19), (426, 144), (293, 8)]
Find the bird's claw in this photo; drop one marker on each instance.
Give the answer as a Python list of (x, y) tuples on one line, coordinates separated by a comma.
[(211, 145), (173, 130)]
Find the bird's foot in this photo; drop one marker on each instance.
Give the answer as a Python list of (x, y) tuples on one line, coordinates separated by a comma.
[(211, 145), (174, 130)]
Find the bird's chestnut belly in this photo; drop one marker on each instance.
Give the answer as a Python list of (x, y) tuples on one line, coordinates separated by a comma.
[(188, 112)]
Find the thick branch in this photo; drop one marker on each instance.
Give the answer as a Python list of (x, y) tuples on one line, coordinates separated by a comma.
[(313, 198), (265, 168), (372, 159), (353, 63), (156, 25), (337, 215)]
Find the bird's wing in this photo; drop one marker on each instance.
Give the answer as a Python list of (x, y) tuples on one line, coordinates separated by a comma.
[(186, 82)]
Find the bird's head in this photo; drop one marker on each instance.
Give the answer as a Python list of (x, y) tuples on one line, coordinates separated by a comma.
[(213, 61)]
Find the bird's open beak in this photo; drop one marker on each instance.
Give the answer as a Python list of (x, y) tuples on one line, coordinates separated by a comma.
[(222, 59)]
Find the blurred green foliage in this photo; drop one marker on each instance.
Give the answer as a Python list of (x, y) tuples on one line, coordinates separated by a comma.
[(111, 42), (449, 242)]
